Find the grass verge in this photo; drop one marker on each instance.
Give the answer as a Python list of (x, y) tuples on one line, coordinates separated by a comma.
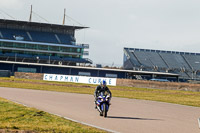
[(169, 96), (17, 118)]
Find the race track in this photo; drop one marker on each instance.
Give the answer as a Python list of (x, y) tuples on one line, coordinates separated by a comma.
[(125, 115)]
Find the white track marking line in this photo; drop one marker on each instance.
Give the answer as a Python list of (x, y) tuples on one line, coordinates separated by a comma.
[(67, 118)]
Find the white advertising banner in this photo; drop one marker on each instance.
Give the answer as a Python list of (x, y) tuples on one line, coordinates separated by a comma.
[(79, 79)]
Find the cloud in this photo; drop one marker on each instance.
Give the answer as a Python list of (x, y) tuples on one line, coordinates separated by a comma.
[(152, 24), (11, 4)]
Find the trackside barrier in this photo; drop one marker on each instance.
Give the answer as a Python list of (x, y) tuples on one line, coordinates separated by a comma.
[(79, 79)]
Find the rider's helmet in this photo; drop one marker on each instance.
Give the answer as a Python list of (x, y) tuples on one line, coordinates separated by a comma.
[(103, 83)]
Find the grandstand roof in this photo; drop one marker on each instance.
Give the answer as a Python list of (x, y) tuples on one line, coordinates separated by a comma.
[(37, 24), (162, 51)]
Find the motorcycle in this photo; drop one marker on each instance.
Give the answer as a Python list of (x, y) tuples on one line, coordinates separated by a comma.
[(103, 103)]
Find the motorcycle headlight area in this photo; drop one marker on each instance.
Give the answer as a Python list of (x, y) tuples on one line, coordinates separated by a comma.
[(101, 99), (107, 99)]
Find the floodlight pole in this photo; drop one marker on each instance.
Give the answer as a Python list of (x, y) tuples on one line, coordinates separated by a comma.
[(64, 16), (30, 19)]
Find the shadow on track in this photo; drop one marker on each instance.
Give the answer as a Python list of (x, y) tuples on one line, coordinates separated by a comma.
[(130, 118)]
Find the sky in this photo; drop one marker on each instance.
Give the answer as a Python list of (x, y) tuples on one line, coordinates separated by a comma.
[(172, 25)]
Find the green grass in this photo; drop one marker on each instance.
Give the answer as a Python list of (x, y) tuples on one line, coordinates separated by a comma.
[(17, 117), (169, 96)]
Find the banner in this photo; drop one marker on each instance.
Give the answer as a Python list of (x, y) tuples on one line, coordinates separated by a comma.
[(79, 79)]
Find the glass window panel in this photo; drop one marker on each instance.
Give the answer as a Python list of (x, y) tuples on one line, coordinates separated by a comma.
[(30, 46), (64, 49), (19, 45), (22, 69), (53, 48), (78, 50), (74, 50), (42, 47), (7, 44)]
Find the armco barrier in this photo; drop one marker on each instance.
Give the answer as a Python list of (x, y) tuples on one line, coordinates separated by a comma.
[(130, 82)]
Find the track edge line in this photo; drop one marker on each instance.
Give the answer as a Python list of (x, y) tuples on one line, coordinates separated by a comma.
[(67, 118)]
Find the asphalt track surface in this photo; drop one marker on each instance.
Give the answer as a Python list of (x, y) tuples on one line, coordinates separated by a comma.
[(125, 115)]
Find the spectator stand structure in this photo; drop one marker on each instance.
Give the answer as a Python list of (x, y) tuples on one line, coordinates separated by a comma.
[(33, 42), (51, 48), (186, 64)]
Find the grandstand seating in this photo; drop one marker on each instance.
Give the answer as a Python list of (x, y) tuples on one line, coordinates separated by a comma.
[(43, 37), (36, 36), (132, 58), (9, 34), (175, 61), (65, 39), (156, 59), (143, 58), (184, 64), (42, 43), (193, 60)]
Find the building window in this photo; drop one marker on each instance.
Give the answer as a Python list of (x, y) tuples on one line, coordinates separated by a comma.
[(42, 47), (78, 50), (7, 44), (84, 73), (111, 75), (64, 49), (53, 48), (23, 69), (30, 46), (19, 45)]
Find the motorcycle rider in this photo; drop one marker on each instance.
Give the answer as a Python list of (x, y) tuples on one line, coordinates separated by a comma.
[(101, 88)]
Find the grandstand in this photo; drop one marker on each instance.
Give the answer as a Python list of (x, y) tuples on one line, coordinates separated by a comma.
[(186, 64), (51, 48), (33, 42)]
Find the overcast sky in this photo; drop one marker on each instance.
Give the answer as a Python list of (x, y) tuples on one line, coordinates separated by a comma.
[(115, 24)]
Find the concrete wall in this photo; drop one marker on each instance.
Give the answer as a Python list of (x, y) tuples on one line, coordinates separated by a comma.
[(24, 75), (130, 82)]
